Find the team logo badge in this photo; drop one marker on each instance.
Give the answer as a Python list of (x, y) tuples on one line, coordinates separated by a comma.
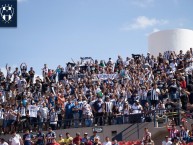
[(7, 13)]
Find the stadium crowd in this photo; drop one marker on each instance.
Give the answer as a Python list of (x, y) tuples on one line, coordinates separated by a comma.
[(91, 92), (50, 139)]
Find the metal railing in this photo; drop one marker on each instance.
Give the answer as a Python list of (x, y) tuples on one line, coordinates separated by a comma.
[(153, 116)]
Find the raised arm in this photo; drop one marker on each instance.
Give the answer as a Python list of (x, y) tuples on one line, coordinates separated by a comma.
[(6, 66), (25, 65)]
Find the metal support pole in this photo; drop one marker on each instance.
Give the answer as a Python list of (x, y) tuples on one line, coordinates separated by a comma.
[(154, 119), (138, 130)]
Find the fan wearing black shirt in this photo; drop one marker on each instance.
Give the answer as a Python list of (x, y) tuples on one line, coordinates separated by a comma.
[(184, 99), (31, 74), (23, 68)]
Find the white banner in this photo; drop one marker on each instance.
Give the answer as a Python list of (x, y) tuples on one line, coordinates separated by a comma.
[(107, 76)]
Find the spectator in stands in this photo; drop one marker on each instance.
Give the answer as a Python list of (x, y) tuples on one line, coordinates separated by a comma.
[(155, 92), (32, 112), (68, 139), (75, 110), (99, 110), (115, 142), (53, 117), (15, 139), (136, 107), (147, 110), (148, 141), (118, 119), (85, 138), (164, 92), (40, 138), (31, 74), (87, 114), (50, 136), (3, 142), (27, 138), (97, 141), (161, 112), (9, 72), (184, 98), (173, 90), (71, 142), (77, 139), (143, 96), (68, 113), (166, 141), (92, 138), (146, 133), (126, 112), (172, 131), (1, 118), (175, 141), (61, 139), (108, 111), (183, 134), (190, 133), (44, 113), (107, 141)]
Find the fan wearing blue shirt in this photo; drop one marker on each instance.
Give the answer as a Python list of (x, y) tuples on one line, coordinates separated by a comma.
[(27, 138), (68, 113)]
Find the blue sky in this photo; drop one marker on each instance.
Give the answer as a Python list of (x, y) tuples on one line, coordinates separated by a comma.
[(54, 31)]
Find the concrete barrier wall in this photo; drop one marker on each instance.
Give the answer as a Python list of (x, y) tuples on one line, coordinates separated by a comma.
[(118, 132)]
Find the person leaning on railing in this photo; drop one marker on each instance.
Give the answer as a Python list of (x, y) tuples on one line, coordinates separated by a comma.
[(75, 111), (148, 112), (161, 112), (108, 106), (126, 112)]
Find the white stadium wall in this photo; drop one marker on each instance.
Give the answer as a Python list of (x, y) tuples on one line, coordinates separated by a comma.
[(170, 40)]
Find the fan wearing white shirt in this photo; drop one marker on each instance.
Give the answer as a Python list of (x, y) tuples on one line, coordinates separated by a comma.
[(3, 142), (9, 72), (15, 139), (107, 141), (2, 98), (44, 111), (173, 65), (44, 70), (136, 108), (32, 113), (166, 141)]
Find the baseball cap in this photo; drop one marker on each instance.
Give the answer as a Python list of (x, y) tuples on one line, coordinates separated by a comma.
[(86, 133), (60, 135)]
